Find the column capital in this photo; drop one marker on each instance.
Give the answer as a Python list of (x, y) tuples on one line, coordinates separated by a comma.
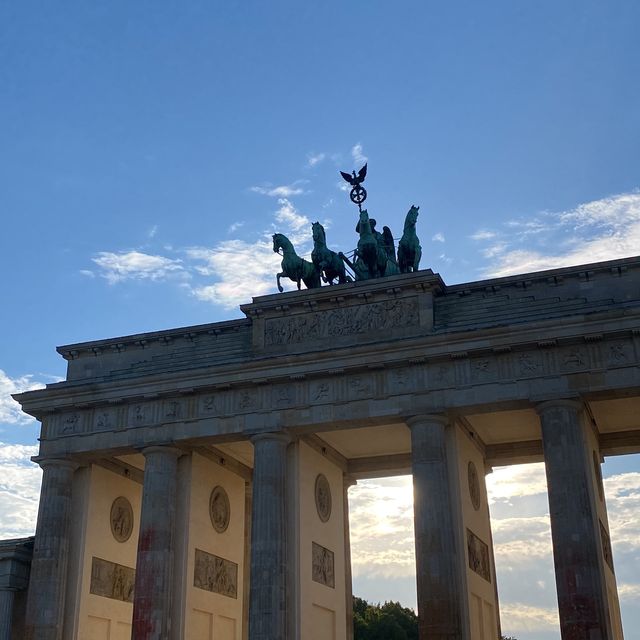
[(281, 436), (557, 403), (162, 449), (56, 462), (348, 480), (438, 418)]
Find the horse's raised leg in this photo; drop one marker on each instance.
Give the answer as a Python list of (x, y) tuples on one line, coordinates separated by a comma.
[(278, 276)]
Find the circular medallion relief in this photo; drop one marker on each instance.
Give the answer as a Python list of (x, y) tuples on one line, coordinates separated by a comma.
[(219, 509), (121, 519), (323, 497), (474, 485)]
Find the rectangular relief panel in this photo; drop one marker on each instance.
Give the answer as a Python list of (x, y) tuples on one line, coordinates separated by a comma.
[(479, 560), (215, 574), (322, 565), (112, 580)]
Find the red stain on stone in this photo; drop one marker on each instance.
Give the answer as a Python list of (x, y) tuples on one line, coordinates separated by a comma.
[(143, 626)]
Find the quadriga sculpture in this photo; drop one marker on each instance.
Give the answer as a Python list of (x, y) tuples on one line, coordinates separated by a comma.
[(293, 266)]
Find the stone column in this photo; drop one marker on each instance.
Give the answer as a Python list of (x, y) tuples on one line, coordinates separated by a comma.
[(152, 602), (246, 577), (6, 613), (438, 562), (268, 591), (575, 527), (47, 582), (348, 481)]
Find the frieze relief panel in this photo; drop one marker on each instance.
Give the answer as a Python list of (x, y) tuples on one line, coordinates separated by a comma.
[(478, 552), (142, 414), (112, 580), (338, 387), (346, 321), (215, 574), (322, 565)]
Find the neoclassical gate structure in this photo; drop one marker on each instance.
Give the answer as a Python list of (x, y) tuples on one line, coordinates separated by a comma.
[(195, 480)]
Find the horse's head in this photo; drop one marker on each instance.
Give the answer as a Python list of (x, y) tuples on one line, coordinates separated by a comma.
[(277, 242), (412, 216), (318, 232)]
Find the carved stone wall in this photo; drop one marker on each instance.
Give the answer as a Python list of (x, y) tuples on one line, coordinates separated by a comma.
[(340, 322)]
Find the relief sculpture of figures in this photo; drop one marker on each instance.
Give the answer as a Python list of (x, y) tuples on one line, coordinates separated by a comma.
[(293, 266)]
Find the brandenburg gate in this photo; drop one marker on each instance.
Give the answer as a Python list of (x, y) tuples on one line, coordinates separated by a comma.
[(195, 480)]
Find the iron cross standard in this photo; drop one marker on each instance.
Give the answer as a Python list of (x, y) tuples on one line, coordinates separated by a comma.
[(358, 193)]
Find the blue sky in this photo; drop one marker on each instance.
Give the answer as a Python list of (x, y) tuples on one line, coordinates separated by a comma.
[(149, 150)]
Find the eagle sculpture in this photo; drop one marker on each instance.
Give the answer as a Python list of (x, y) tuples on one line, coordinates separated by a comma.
[(354, 180)]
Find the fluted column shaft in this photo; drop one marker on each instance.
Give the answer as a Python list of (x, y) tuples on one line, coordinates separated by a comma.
[(577, 553), (268, 592), (438, 569), (47, 581), (154, 565), (6, 613)]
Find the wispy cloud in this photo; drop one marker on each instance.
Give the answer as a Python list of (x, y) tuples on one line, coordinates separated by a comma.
[(438, 237), (135, 265), (297, 224), (10, 411), (282, 191), (240, 268), (517, 617), (19, 490), (381, 516), (243, 269), (152, 231), (235, 226), (357, 154), (483, 234), (315, 158), (594, 231)]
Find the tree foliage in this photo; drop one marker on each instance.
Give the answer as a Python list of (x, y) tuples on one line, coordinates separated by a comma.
[(388, 621)]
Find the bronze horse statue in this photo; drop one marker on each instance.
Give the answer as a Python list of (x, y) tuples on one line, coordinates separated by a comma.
[(327, 262), (375, 255), (371, 258), (409, 249), (293, 266)]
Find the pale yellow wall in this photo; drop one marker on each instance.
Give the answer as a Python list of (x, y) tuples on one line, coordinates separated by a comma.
[(101, 618), (483, 605), (211, 616), (601, 508), (322, 609)]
